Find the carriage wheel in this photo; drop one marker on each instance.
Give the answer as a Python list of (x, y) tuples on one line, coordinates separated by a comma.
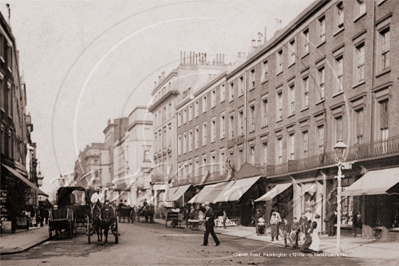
[(88, 229), (117, 232), (75, 228)]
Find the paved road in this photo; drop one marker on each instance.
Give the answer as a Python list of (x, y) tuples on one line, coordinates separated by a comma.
[(150, 244)]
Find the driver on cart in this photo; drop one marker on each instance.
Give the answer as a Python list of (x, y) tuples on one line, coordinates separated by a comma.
[(97, 197)]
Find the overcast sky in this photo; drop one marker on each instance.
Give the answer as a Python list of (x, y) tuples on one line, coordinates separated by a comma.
[(85, 62)]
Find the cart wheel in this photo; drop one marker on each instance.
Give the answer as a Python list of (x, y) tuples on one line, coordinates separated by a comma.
[(117, 232), (88, 229), (75, 227)]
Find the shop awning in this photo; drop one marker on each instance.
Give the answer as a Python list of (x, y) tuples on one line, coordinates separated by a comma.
[(374, 183), (178, 192), (234, 190), (26, 181), (274, 192), (208, 193)]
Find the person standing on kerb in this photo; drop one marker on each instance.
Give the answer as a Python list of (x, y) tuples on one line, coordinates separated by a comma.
[(209, 224)]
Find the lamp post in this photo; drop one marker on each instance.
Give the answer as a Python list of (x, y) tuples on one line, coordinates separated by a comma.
[(339, 149), (39, 176)]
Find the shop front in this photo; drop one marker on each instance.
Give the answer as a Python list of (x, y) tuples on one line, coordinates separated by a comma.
[(238, 199), (378, 191), (279, 199)]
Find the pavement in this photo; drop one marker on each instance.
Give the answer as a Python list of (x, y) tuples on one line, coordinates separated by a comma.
[(351, 247), (356, 247), (23, 240)]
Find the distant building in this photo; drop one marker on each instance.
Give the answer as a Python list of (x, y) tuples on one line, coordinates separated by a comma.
[(179, 84), (92, 167)]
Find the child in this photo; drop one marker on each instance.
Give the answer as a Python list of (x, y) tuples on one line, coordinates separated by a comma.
[(295, 228), (286, 230)]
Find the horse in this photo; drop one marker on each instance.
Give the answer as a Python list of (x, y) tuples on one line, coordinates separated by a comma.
[(107, 219), (97, 223)]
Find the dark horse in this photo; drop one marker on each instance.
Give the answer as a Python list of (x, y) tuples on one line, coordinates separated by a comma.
[(97, 223), (147, 212), (107, 219)]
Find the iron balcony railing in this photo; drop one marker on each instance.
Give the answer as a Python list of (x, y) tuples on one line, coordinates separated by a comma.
[(369, 150)]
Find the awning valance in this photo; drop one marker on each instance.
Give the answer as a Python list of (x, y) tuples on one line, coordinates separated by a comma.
[(26, 181), (374, 183), (178, 192), (234, 190), (274, 192), (208, 193)]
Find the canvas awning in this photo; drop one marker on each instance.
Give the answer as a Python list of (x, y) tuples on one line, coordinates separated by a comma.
[(178, 192), (208, 193), (373, 183), (26, 181), (274, 192), (234, 190)]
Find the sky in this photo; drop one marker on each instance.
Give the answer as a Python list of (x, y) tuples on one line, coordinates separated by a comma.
[(85, 62)]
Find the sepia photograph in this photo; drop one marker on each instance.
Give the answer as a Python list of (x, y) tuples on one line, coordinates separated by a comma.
[(199, 132)]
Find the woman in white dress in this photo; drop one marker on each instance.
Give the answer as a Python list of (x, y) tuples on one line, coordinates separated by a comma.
[(315, 246)]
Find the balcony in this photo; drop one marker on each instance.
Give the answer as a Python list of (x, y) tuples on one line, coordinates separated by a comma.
[(240, 139), (378, 148), (231, 143), (374, 149)]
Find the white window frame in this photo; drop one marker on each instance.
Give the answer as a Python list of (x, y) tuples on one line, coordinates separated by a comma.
[(213, 98), (279, 61), (231, 126), (185, 142), (292, 52), (204, 134), (179, 145), (222, 125), (306, 42), (265, 70), (196, 137), (321, 76), (190, 112), (240, 86), (231, 92), (253, 78), (322, 29), (279, 105), (213, 129), (196, 109), (292, 98), (252, 122), (222, 93), (190, 140), (204, 104), (359, 62)]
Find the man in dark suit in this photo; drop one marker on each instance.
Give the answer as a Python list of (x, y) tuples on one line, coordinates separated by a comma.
[(331, 219), (209, 224)]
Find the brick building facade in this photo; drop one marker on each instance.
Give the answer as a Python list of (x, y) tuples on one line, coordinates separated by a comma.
[(329, 74)]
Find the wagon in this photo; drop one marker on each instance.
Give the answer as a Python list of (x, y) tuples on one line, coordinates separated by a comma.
[(71, 210), (175, 217), (125, 213), (194, 224)]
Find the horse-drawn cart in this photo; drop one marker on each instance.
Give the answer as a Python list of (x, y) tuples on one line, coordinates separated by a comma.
[(125, 213), (70, 211), (102, 218), (175, 217)]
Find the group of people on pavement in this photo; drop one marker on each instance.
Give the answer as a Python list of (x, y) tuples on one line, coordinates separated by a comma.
[(306, 229)]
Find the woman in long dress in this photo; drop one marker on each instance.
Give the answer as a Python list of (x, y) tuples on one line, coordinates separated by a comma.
[(315, 246)]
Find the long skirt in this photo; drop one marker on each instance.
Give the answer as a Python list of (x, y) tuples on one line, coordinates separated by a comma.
[(273, 229), (306, 245)]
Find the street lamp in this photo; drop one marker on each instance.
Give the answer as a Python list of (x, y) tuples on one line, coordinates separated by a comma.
[(339, 149), (39, 176), (61, 180)]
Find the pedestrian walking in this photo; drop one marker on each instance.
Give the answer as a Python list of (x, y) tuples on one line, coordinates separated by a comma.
[(274, 221), (308, 239), (224, 219), (302, 223), (286, 229), (294, 235), (209, 225), (331, 220)]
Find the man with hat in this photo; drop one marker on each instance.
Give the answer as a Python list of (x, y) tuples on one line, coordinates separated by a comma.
[(209, 224), (97, 197)]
